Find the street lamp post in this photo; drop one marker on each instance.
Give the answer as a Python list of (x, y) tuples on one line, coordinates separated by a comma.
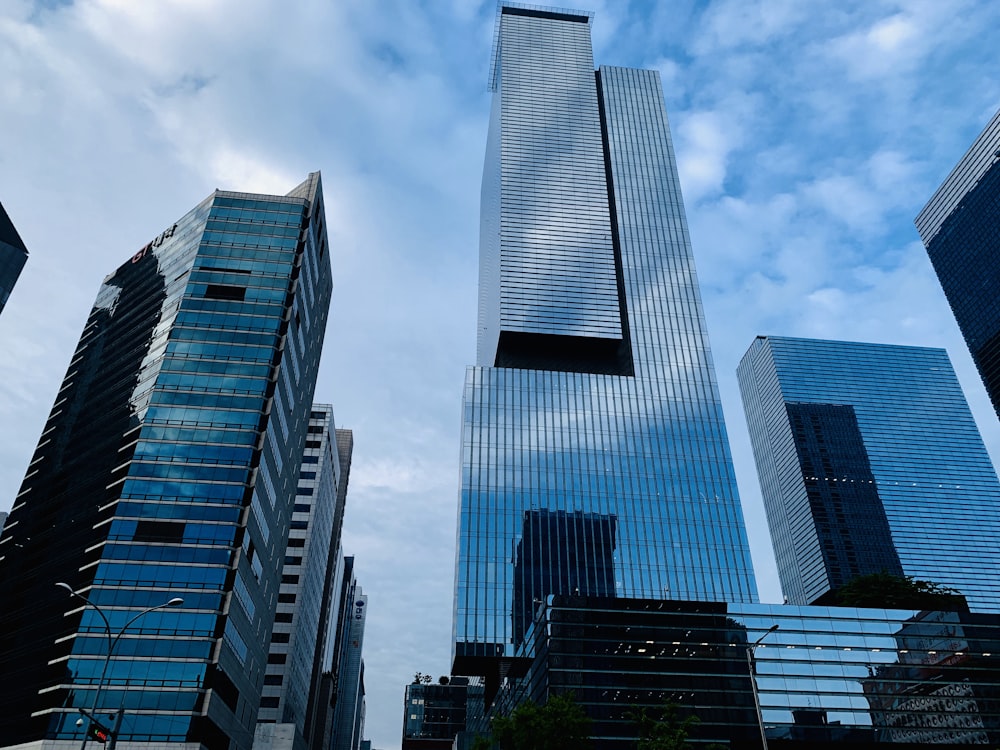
[(752, 663), (112, 643)]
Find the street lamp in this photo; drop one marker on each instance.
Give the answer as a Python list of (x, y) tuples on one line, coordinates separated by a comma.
[(752, 662), (112, 643)]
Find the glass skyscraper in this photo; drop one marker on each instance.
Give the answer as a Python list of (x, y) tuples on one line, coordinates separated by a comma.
[(168, 468), (869, 461), (13, 255), (960, 227), (592, 416)]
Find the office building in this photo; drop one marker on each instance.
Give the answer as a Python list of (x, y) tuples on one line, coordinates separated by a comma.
[(434, 714), (168, 469), (594, 395), (13, 255), (960, 227), (826, 676), (346, 727), (869, 461), (292, 676), (326, 666)]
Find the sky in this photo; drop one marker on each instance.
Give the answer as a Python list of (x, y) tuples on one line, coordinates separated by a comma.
[(808, 137)]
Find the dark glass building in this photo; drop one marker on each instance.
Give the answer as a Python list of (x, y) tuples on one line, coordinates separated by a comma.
[(168, 468), (869, 461), (13, 255), (826, 677), (960, 227), (434, 714), (308, 585), (594, 398)]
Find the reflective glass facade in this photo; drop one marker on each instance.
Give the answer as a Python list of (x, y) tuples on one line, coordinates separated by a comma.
[(13, 255), (860, 678), (168, 468), (313, 551), (868, 454), (433, 715), (625, 434), (960, 227)]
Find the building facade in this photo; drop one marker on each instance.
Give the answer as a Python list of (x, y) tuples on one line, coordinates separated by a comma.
[(594, 395), (826, 676), (346, 727), (960, 227), (434, 714), (13, 255), (168, 468), (869, 460), (300, 627)]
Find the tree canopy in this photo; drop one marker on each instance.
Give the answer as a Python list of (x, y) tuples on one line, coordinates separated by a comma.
[(559, 724), (890, 591)]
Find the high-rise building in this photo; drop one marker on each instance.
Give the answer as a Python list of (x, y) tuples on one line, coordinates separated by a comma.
[(13, 255), (434, 714), (869, 461), (326, 666), (960, 227), (300, 628), (168, 468), (349, 710), (594, 395)]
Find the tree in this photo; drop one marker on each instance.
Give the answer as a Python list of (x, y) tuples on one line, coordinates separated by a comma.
[(890, 591), (662, 730), (560, 724)]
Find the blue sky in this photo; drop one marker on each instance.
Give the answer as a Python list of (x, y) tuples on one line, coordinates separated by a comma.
[(808, 137)]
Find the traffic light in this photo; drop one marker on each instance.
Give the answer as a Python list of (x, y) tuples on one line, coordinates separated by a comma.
[(97, 732)]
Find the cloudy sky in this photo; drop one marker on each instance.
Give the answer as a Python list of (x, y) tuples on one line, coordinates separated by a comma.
[(808, 136)]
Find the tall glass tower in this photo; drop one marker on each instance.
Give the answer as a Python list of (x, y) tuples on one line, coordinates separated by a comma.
[(592, 416), (13, 255), (869, 461), (960, 227), (168, 468)]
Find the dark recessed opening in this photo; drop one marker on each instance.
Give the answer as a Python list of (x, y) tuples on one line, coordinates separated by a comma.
[(226, 292)]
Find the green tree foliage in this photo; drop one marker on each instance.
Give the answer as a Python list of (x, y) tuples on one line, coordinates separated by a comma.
[(661, 729), (560, 724), (889, 591)]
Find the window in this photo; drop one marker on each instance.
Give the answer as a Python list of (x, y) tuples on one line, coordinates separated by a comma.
[(269, 701), (159, 531), (289, 579), (294, 542), (277, 658), (293, 560), (279, 637), (286, 598), (272, 679), (283, 617), (226, 292)]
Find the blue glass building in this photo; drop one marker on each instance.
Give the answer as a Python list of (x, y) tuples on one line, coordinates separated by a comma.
[(960, 227), (168, 468), (594, 398), (13, 255), (869, 460)]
